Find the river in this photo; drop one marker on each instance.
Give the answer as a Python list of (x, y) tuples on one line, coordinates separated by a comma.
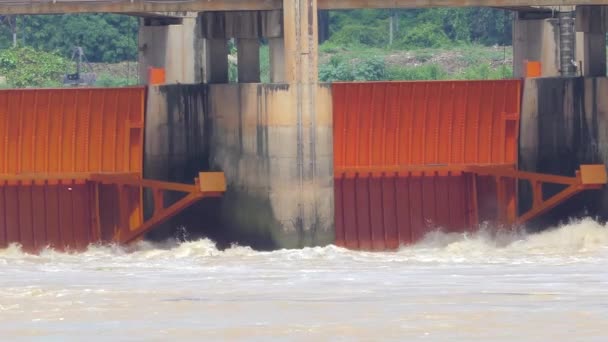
[(486, 286)]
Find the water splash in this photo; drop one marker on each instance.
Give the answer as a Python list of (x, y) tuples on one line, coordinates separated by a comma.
[(583, 238)]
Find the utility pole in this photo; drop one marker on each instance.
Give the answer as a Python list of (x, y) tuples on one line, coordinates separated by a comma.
[(393, 25)]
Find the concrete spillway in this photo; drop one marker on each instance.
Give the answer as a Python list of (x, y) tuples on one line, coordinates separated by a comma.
[(271, 204), (393, 162)]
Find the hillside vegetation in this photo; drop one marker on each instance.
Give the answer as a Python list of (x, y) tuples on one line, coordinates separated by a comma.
[(362, 45)]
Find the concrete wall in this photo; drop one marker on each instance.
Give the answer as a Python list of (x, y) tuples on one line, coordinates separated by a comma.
[(564, 124), (278, 164)]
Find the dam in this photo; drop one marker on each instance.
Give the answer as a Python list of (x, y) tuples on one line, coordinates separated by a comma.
[(298, 163), (189, 208)]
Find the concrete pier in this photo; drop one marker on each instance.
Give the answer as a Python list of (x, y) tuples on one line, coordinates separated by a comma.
[(277, 197), (591, 27), (564, 123), (278, 164), (274, 142), (176, 149)]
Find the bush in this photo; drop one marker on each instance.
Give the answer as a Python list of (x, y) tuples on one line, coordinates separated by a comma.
[(359, 35), (338, 69), (424, 72), (26, 67), (370, 69), (105, 80), (425, 35), (485, 72)]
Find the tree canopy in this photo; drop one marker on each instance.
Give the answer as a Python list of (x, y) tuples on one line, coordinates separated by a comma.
[(421, 28), (105, 37)]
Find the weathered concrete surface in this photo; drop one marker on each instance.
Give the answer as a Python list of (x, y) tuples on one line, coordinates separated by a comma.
[(248, 60), (216, 61), (279, 166), (242, 24), (536, 40), (176, 149), (564, 123), (176, 48)]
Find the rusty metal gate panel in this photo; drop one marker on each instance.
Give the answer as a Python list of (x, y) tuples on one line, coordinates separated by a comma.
[(53, 140), (71, 130), (382, 211), (385, 131), (420, 123), (37, 216)]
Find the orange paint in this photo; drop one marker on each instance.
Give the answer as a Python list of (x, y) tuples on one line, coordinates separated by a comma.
[(401, 151), (533, 69), (53, 139), (54, 131), (71, 169), (423, 123), (156, 76)]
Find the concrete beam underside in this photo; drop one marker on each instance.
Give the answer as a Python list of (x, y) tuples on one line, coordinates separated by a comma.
[(148, 6)]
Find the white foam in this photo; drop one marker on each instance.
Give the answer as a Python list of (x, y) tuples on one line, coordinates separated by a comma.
[(581, 238)]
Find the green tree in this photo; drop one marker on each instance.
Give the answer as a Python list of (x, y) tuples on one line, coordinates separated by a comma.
[(104, 37), (26, 67)]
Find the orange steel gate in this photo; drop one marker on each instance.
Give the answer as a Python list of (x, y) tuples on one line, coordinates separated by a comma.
[(71, 168), (410, 157)]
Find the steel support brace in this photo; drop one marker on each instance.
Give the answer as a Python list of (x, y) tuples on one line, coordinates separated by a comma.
[(128, 217), (589, 177), (158, 217), (211, 184)]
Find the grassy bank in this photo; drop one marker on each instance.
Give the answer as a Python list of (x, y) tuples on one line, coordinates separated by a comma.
[(460, 62), (26, 67)]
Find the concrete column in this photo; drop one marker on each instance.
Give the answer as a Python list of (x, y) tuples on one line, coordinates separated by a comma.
[(301, 39), (323, 26), (536, 40), (591, 26), (216, 52), (248, 51), (172, 43), (563, 125), (276, 48)]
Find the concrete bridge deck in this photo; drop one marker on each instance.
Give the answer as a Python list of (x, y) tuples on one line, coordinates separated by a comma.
[(146, 6)]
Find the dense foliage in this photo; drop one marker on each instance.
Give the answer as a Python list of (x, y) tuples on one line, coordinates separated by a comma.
[(26, 67), (112, 38), (104, 37), (421, 28), (374, 68)]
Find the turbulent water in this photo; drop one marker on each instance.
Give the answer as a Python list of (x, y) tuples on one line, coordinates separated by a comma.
[(551, 286)]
